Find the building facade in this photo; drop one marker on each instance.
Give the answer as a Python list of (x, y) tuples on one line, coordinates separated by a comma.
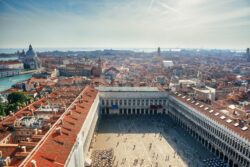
[(8, 73), (232, 147), (76, 70), (11, 65), (132, 101)]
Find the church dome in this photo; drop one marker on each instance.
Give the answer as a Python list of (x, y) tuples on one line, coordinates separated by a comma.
[(30, 52)]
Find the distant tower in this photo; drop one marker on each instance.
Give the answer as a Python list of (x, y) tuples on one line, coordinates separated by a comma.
[(159, 51), (99, 63), (97, 70), (248, 55), (199, 76)]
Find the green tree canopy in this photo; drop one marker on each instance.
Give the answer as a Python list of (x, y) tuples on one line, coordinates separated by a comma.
[(17, 97), (2, 109)]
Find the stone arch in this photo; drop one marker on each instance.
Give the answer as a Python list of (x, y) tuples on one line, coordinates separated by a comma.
[(217, 152), (103, 111), (209, 146), (206, 143), (213, 149), (231, 163), (133, 111), (221, 155), (225, 158), (236, 165), (107, 110)]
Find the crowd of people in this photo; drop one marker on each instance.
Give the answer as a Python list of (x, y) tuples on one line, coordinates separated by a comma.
[(103, 158)]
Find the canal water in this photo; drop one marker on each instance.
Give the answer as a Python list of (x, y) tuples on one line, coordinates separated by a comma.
[(7, 82)]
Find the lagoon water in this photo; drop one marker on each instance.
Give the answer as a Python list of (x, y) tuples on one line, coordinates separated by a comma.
[(8, 58), (7, 82)]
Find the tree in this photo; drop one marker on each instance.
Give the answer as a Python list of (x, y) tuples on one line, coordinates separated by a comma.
[(2, 109), (10, 107), (17, 97)]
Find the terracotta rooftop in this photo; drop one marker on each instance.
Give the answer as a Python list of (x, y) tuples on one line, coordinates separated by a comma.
[(57, 144), (230, 122), (10, 62), (9, 120), (58, 98)]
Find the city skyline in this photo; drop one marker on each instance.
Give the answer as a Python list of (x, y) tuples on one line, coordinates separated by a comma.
[(125, 24)]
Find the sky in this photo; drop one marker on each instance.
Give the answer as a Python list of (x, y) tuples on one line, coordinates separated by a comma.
[(125, 23)]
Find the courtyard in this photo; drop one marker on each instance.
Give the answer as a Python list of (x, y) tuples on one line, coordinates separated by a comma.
[(148, 141)]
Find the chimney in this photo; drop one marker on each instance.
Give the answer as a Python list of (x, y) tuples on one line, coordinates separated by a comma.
[(24, 148), (33, 162), (49, 125), (58, 130), (70, 112), (35, 131), (61, 122), (40, 132)]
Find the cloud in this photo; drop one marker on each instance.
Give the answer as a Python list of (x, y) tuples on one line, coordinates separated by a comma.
[(125, 23)]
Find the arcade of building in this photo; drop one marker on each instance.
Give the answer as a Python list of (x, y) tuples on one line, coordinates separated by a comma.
[(231, 147)]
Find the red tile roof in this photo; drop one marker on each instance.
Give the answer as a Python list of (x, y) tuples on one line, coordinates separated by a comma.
[(55, 148), (217, 118), (10, 62), (9, 120)]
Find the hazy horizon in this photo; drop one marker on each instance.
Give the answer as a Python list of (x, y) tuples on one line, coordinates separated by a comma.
[(75, 49), (125, 24)]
